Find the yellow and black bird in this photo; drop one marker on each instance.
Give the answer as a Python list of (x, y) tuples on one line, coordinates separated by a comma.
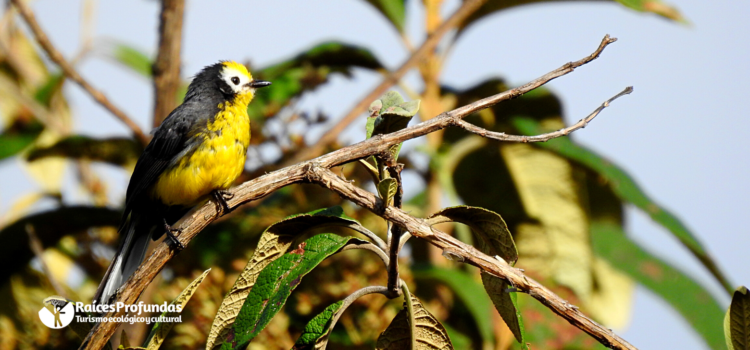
[(198, 151)]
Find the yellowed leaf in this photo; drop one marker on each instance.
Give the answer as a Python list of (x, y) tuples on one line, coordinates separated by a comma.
[(429, 332), (559, 246), (160, 330), (611, 303)]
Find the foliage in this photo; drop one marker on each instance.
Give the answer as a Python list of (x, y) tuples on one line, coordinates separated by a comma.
[(561, 207)]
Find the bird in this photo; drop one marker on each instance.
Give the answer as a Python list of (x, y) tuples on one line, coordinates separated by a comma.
[(196, 153)]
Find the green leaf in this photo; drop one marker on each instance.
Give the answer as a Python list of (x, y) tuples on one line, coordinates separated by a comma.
[(315, 334), (393, 115), (17, 137), (387, 189), (274, 241), (50, 226), (389, 114), (469, 291), (429, 331), (276, 282), (737, 321), (495, 240), (493, 6), (132, 58), (307, 71), (394, 10), (505, 304), (488, 226), (686, 296), (626, 189), (160, 330), (118, 151)]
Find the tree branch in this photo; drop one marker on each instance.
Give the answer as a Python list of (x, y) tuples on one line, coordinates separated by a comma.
[(196, 220), (467, 8), (166, 68), (71, 73), (420, 228)]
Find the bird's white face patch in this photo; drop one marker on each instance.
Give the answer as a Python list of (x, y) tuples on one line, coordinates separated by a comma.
[(236, 79)]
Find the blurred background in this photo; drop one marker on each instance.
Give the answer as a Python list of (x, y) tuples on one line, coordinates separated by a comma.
[(598, 237)]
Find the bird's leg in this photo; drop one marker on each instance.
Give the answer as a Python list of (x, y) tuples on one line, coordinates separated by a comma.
[(220, 199), (172, 240)]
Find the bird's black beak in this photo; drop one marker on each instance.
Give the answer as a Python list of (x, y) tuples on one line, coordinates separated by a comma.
[(259, 83)]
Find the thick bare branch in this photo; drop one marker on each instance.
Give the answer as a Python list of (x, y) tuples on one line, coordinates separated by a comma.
[(467, 8), (71, 73), (195, 221), (166, 68), (420, 228)]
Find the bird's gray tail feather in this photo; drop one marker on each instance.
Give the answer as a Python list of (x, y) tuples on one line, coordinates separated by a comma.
[(132, 250)]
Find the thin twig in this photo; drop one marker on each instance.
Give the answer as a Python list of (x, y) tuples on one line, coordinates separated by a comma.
[(348, 301), (420, 228), (369, 234), (36, 247), (368, 246), (410, 311), (396, 231), (501, 136), (467, 8), (71, 73), (166, 68), (198, 218)]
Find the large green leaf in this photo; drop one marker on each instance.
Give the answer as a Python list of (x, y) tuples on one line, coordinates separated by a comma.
[(305, 72), (626, 188), (118, 150), (49, 226), (737, 321), (493, 6), (274, 241), (685, 295), (394, 10), (469, 291), (275, 283)]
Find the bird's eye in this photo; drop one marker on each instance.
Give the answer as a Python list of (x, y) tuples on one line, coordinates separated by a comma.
[(236, 80)]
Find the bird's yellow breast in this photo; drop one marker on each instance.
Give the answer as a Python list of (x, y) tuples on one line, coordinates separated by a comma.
[(215, 164)]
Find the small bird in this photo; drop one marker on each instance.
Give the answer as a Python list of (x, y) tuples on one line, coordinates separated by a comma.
[(197, 152)]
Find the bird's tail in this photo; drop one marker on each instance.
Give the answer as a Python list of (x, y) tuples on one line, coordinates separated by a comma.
[(136, 231)]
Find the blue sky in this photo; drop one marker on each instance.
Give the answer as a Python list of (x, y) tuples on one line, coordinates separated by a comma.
[(680, 134)]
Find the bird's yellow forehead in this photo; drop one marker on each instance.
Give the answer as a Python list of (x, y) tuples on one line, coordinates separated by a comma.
[(232, 66)]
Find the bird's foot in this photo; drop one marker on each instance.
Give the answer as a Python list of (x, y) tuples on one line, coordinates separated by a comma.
[(171, 239), (220, 199)]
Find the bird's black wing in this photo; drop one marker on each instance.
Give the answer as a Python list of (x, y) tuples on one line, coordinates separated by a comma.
[(170, 139)]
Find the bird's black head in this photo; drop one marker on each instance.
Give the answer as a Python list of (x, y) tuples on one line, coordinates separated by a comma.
[(227, 79)]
